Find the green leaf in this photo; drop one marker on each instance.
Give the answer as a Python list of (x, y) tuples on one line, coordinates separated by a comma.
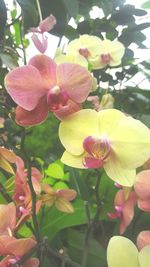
[(30, 13), (9, 60), (54, 220), (60, 185), (96, 253), (72, 7), (106, 5), (55, 170), (146, 5)]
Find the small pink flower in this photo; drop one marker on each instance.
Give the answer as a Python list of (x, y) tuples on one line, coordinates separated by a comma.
[(124, 209), (42, 86), (61, 198), (38, 37)]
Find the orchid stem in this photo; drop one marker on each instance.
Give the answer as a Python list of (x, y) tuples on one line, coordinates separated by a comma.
[(39, 10), (91, 224), (33, 194)]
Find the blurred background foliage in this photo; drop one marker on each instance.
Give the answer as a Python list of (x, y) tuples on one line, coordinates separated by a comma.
[(119, 20)]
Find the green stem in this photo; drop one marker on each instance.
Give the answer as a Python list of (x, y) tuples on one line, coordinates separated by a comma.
[(33, 194), (39, 10), (91, 224)]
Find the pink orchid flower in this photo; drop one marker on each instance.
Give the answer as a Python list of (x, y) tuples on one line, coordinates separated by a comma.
[(45, 26), (124, 209), (142, 189), (143, 239), (14, 249), (42, 86), (22, 195)]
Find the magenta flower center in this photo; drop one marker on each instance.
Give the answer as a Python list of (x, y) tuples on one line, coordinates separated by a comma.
[(13, 261), (105, 58), (97, 152), (84, 52), (56, 98)]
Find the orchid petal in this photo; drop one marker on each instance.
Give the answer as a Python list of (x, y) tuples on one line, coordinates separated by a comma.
[(142, 185), (75, 128), (127, 210), (144, 257), (130, 142), (67, 110), (33, 117), (143, 239), (19, 247), (109, 119), (8, 154), (144, 204), (64, 205), (119, 174), (33, 262), (5, 165), (73, 161), (47, 24), (121, 252), (40, 42), (25, 86), (79, 84), (67, 194), (7, 218), (47, 68)]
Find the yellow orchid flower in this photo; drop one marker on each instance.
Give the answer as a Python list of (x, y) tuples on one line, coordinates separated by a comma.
[(121, 252), (87, 46), (110, 53), (99, 53), (107, 139)]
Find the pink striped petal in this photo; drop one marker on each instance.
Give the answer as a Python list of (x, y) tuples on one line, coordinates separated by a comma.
[(144, 204), (67, 194), (33, 117), (47, 24), (67, 110), (47, 69), (40, 42), (75, 80), (33, 262), (128, 208), (25, 86), (142, 184)]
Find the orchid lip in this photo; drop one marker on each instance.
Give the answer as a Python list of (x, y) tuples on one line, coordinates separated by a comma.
[(96, 152), (105, 58), (84, 52), (56, 98)]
